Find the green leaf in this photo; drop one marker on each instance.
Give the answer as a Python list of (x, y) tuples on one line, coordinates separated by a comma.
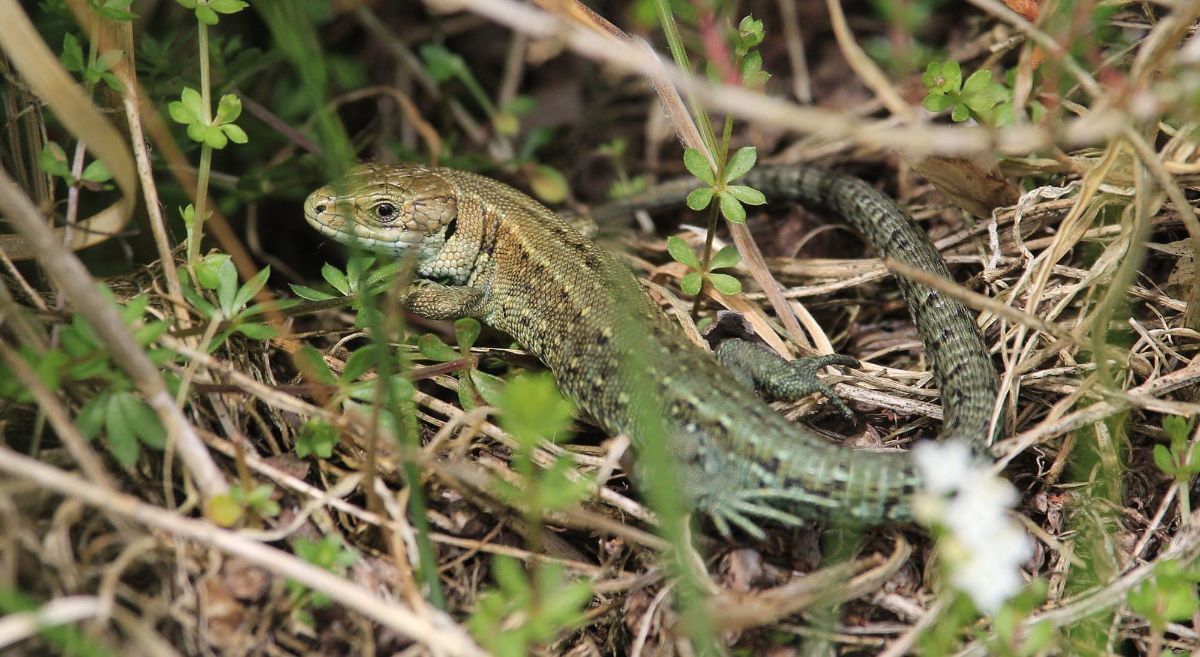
[(256, 331), (223, 510), (234, 133), (360, 362), (336, 278), (316, 437), (227, 288), (90, 419), (466, 331), (251, 288), (312, 365), (699, 198), (930, 78), (732, 210), (143, 420), (937, 102), (96, 172), (532, 408), (189, 109), (53, 161), (690, 284), (741, 163), (488, 386), (727, 257), (150, 332), (747, 195), (106, 60), (122, 441), (1193, 463), (432, 347), (951, 76), (309, 293), (698, 166), (557, 489), (72, 53), (215, 137), (977, 83), (441, 64), (206, 15), (548, 184), (961, 113), (980, 102), (681, 252), (1162, 459), (725, 284), (1177, 428), (227, 6)]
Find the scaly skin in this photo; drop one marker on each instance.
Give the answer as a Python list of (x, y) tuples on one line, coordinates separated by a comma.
[(487, 251)]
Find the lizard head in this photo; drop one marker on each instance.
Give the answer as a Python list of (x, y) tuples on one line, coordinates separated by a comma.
[(390, 209)]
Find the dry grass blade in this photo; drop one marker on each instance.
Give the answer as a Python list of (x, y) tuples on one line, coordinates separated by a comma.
[(50, 81)]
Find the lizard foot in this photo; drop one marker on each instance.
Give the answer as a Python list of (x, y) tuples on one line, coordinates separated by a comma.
[(803, 380), (739, 509)]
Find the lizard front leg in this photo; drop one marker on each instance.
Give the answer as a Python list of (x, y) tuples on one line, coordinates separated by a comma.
[(437, 301)]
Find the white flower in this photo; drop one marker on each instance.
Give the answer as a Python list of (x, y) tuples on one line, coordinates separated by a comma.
[(983, 547)]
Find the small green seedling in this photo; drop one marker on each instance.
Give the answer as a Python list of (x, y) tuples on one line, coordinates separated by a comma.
[(54, 161), (94, 71), (207, 11), (729, 197), (524, 611), (230, 508), (216, 273), (694, 279), (328, 553), (214, 132), (979, 97)]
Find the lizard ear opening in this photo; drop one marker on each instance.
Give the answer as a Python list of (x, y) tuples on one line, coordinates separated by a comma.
[(451, 228)]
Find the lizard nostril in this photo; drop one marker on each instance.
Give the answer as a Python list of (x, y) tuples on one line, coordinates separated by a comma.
[(320, 207)]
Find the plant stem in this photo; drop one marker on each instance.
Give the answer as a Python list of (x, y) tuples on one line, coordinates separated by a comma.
[(713, 214), (679, 54), (202, 172)]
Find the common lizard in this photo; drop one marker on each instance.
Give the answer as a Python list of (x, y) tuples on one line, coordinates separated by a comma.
[(488, 251)]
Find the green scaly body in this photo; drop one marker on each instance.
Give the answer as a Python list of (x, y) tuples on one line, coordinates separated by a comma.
[(488, 251)]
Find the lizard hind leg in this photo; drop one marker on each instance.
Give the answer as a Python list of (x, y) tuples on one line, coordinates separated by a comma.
[(781, 379)]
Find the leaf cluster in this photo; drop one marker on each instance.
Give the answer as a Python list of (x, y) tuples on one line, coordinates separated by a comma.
[(216, 131), (81, 361), (523, 611), (694, 279), (216, 273), (980, 97), (729, 197)]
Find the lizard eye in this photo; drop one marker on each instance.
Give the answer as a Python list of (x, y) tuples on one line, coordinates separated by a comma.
[(386, 211)]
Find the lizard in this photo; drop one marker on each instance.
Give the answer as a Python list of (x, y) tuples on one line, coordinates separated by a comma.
[(486, 250)]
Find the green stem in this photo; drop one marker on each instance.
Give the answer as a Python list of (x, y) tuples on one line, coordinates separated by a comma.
[(679, 54), (713, 215), (202, 173)]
